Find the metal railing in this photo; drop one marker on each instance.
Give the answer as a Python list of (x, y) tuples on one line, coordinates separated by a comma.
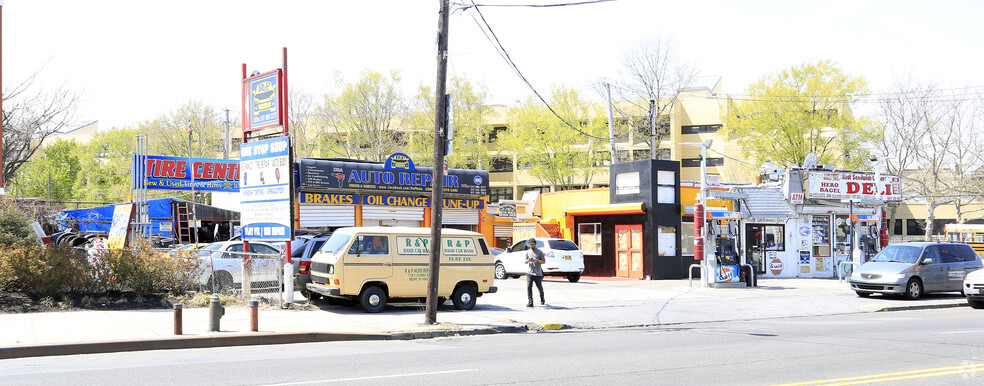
[(690, 272), (840, 268)]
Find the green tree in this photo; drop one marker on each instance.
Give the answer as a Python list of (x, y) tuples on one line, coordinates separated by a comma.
[(556, 153), (364, 121), (802, 110), (51, 176), (471, 133), (106, 168)]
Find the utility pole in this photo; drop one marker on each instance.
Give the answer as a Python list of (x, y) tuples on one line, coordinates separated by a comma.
[(225, 150), (437, 187), (611, 122), (652, 126)]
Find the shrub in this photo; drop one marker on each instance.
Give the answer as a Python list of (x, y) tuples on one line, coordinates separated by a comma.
[(15, 225), (43, 271)]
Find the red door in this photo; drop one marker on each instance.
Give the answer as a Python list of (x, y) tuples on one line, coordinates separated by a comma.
[(628, 250)]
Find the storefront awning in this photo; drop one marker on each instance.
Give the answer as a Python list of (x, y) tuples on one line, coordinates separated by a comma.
[(765, 203), (612, 209)]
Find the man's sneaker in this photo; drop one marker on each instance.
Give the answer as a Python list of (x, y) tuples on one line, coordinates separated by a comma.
[(530, 304), (543, 302)]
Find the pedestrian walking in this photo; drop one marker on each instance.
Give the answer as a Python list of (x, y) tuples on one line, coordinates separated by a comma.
[(534, 258)]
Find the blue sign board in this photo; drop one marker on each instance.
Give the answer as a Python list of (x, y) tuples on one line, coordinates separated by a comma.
[(265, 201), (263, 96)]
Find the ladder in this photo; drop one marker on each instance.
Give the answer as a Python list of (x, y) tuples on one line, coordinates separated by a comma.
[(182, 223)]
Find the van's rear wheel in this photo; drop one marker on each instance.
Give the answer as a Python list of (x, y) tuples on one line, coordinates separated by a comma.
[(465, 297), (500, 272), (373, 299)]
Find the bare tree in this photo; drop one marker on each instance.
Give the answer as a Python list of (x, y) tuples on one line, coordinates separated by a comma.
[(300, 118), (652, 70), (930, 137), (30, 115), (169, 133), (364, 120)]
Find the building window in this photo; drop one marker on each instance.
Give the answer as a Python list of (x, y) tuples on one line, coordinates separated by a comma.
[(666, 187), (589, 238), (915, 227), (499, 194), (698, 129), (502, 164), (627, 183), (687, 237), (494, 134), (666, 239), (695, 162)]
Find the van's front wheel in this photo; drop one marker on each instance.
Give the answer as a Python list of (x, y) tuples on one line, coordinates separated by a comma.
[(373, 299), (465, 297)]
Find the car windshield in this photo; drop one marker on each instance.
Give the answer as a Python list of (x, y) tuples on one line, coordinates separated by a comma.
[(562, 245), (335, 243), (898, 254)]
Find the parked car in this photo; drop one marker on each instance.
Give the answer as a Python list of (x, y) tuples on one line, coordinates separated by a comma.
[(222, 265), (914, 269), (303, 248), (563, 257), (973, 288)]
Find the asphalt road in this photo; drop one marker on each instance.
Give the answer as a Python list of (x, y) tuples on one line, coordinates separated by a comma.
[(939, 346)]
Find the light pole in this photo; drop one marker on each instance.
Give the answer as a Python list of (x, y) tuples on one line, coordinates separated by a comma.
[(702, 198)]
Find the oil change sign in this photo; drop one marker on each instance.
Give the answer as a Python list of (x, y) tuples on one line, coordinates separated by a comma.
[(265, 190)]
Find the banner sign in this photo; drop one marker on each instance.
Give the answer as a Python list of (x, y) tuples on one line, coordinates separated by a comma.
[(174, 173), (394, 176), (386, 200), (263, 102), (119, 230), (853, 185), (265, 192)]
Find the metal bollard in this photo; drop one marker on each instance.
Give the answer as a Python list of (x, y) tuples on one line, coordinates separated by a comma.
[(177, 319), (254, 323), (215, 311)]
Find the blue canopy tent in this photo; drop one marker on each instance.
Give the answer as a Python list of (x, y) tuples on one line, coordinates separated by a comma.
[(161, 211)]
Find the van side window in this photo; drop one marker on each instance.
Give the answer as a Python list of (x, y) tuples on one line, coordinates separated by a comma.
[(485, 248), (370, 245), (949, 254), (932, 253)]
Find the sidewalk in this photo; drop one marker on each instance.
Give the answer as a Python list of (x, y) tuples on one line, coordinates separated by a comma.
[(602, 303)]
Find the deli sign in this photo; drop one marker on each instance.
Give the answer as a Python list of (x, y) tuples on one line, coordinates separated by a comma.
[(853, 185)]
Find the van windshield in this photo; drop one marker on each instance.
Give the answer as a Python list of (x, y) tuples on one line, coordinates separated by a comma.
[(336, 243), (898, 254)]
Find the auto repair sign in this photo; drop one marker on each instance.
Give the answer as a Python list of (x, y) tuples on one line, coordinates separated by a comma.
[(853, 185)]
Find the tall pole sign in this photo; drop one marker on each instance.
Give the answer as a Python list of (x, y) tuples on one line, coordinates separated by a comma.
[(2, 181)]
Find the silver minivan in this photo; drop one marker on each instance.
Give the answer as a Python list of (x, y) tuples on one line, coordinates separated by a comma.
[(912, 269)]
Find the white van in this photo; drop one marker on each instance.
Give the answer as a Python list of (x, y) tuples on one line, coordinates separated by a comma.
[(375, 265)]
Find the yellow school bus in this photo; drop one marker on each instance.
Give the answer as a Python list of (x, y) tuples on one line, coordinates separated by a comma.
[(375, 265), (972, 234)]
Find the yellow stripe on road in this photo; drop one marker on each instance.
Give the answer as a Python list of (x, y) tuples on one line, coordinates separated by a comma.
[(896, 376)]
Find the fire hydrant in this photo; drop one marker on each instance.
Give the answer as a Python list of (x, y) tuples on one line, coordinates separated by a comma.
[(215, 312)]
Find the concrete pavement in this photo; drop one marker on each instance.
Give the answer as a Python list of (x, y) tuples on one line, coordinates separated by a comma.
[(590, 303)]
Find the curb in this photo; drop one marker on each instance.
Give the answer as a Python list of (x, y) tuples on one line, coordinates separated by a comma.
[(182, 343), (923, 307)]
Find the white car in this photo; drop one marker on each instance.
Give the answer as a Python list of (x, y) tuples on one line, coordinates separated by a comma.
[(973, 288), (222, 263), (563, 258)]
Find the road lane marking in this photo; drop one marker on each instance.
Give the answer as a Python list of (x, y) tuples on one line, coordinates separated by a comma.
[(896, 376), (959, 332), (373, 377)]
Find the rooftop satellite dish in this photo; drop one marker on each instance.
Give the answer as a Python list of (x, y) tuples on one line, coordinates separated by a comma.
[(811, 161)]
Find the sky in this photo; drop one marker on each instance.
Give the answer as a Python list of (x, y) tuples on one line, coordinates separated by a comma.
[(133, 61)]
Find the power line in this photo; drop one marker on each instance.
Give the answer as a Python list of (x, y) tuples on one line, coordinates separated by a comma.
[(466, 6), (505, 56)]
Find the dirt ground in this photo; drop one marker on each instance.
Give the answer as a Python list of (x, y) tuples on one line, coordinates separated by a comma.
[(17, 302)]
